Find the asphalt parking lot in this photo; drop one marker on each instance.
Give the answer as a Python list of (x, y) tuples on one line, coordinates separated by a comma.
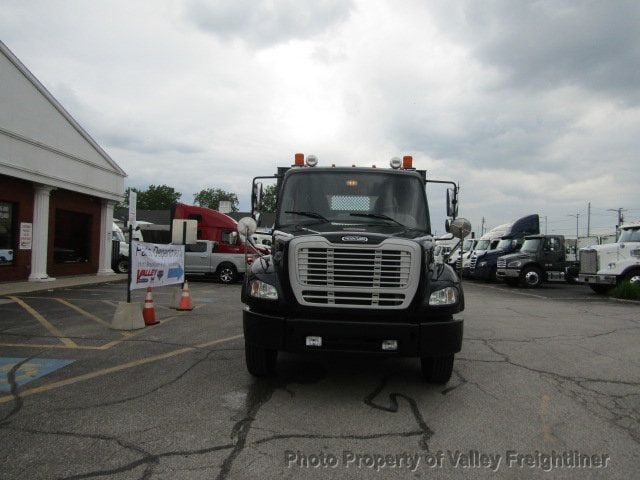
[(551, 370)]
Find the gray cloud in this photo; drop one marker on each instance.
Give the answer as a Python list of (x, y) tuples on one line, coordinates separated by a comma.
[(544, 45), (263, 23)]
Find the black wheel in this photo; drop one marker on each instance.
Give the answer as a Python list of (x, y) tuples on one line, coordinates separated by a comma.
[(261, 362), (531, 277), (600, 289), (512, 282), (437, 369), (227, 273), (632, 276), (122, 266)]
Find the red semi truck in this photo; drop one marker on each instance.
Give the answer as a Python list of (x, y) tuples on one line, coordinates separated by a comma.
[(222, 229)]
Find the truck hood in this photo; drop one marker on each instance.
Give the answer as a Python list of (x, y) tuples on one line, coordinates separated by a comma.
[(517, 256), (335, 232)]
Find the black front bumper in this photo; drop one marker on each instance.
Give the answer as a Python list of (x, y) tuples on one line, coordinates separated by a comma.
[(414, 339)]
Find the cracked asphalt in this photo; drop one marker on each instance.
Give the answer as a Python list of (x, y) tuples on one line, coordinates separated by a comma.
[(551, 370)]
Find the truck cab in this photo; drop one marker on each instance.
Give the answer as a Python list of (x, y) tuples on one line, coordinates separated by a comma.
[(353, 270), (484, 265), (542, 258), (602, 267)]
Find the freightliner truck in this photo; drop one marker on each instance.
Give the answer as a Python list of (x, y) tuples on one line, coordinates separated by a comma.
[(602, 267), (352, 269), (542, 258), (483, 266)]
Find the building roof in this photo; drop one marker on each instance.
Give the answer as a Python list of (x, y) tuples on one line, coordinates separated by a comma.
[(41, 142)]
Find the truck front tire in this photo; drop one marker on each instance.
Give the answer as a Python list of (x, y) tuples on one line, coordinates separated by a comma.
[(437, 369), (261, 362), (531, 277), (122, 266)]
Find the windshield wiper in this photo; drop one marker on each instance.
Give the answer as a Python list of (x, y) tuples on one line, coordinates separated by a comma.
[(378, 215), (307, 214)]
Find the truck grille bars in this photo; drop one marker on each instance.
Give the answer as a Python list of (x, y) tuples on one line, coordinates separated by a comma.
[(588, 261), (502, 263), (356, 276)]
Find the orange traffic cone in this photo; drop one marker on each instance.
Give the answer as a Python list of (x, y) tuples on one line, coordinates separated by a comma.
[(185, 299), (149, 310)]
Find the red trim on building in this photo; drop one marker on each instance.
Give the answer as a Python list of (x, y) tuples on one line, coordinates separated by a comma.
[(20, 193)]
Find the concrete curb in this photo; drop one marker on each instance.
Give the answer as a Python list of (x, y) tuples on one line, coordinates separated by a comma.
[(12, 288)]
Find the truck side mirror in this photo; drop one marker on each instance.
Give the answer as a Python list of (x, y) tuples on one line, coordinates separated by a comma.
[(214, 248), (452, 202), (256, 200), (460, 228)]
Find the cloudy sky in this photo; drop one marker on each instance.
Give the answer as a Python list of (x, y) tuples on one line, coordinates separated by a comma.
[(533, 106)]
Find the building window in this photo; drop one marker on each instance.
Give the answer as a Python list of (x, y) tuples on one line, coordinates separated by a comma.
[(72, 241), (7, 233)]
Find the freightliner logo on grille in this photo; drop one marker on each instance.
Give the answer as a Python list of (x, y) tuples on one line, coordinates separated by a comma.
[(355, 238)]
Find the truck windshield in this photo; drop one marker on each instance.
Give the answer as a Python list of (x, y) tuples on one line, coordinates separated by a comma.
[(354, 198), (531, 245), (630, 235), (505, 244), (468, 245), (483, 244)]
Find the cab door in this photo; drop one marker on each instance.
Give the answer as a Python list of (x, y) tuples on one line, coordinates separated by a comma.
[(553, 254)]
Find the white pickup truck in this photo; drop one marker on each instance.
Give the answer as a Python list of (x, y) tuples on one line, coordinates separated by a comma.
[(202, 258), (604, 266)]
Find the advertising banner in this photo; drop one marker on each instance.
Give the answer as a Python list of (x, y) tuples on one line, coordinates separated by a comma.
[(155, 265)]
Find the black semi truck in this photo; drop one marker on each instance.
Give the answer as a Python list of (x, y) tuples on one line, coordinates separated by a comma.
[(542, 258), (352, 269)]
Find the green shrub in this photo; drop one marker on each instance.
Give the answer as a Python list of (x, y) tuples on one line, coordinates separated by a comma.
[(626, 290)]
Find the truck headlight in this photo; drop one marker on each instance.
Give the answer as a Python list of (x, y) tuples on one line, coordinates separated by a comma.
[(482, 264), (514, 264), (444, 296), (263, 290)]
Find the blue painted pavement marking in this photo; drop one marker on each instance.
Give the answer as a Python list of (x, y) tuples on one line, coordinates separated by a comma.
[(29, 370)]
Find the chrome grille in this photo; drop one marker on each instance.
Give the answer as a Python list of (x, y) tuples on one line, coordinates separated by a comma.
[(502, 263), (342, 267), (354, 276), (588, 261), (472, 263)]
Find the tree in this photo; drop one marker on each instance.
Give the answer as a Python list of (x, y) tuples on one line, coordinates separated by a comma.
[(211, 197), (269, 197), (160, 197)]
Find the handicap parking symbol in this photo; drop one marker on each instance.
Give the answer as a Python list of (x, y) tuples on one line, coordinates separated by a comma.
[(28, 369)]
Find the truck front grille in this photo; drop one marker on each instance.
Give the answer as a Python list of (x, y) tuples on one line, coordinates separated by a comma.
[(356, 276), (348, 268), (502, 263), (472, 263), (588, 261)]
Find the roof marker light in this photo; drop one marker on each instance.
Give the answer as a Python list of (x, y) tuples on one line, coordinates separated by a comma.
[(312, 160), (299, 160), (395, 163), (407, 161)]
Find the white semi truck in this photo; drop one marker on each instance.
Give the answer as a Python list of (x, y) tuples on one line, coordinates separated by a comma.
[(605, 266)]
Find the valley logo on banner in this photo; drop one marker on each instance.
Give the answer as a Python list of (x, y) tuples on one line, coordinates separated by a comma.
[(155, 265)]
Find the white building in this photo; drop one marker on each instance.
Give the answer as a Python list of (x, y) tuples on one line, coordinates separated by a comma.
[(57, 186)]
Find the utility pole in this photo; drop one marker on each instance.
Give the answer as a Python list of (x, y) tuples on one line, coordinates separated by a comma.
[(577, 215), (620, 219), (588, 219), (545, 224), (482, 230)]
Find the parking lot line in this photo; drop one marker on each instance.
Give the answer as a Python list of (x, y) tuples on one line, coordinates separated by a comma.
[(116, 368), (45, 323), (85, 313)]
